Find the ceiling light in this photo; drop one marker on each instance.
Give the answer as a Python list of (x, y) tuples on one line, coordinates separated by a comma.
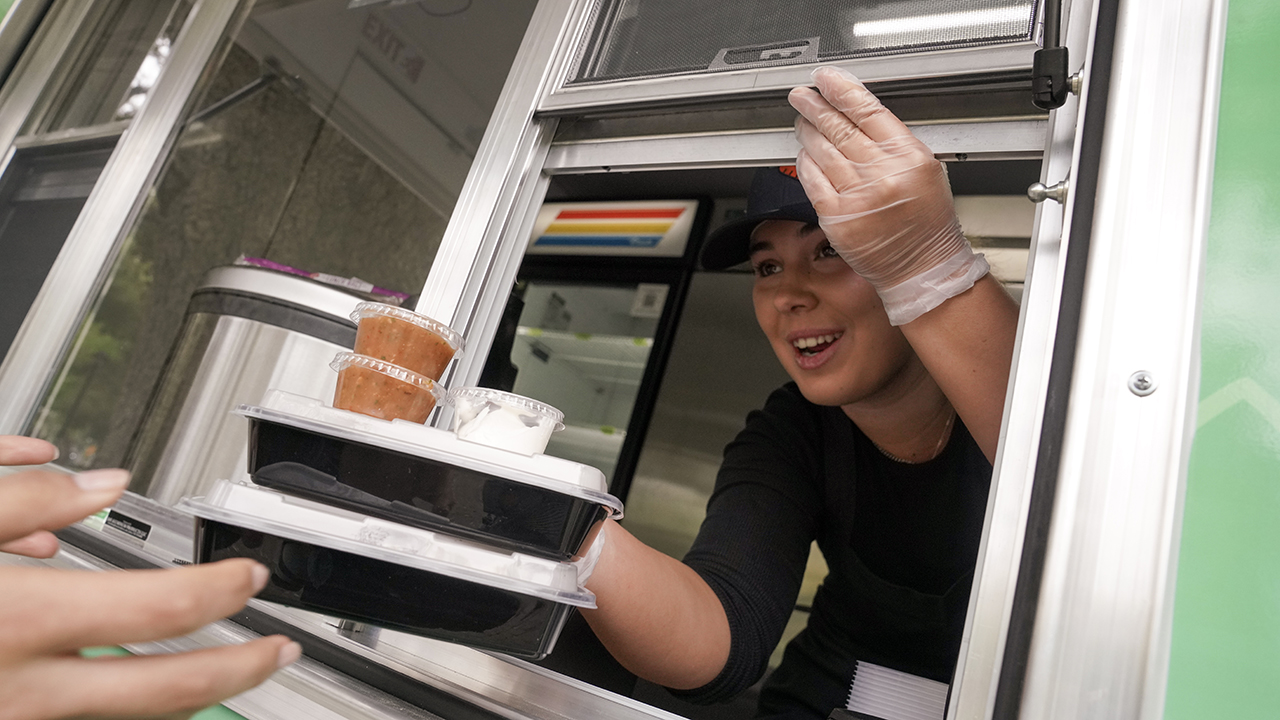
[(943, 21)]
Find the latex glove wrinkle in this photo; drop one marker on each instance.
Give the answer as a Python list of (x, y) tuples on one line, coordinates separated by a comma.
[(881, 197)]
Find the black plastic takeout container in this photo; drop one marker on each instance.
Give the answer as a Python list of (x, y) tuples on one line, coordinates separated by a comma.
[(426, 478), (351, 566)]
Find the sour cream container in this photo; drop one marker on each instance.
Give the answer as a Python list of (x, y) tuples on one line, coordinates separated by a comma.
[(503, 420), (405, 338), (348, 565)]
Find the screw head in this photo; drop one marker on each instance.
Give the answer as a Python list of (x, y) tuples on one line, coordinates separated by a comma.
[(1142, 383)]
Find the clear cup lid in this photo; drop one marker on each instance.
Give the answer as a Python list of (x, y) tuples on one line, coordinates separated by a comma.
[(344, 360), (372, 309), (249, 506), (520, 402)]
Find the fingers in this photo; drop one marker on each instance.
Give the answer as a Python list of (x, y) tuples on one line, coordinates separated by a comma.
[(141, 687), (18, 450), (44, 611), (39, 544), (41, 500), (816, 184), (847, 94), (833, 126)]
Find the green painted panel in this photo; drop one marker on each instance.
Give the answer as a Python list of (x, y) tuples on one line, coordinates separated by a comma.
[(217, 712), (1226, 634)]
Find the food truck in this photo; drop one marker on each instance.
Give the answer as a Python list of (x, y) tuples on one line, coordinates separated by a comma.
[(197, 194)]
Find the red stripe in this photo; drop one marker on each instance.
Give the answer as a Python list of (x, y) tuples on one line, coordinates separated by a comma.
[(618, 214)]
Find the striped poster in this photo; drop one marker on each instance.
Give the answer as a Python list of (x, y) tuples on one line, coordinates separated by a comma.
[(621, 228), (610, 227)]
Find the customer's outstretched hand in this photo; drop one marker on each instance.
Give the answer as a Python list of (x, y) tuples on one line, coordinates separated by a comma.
[(47, 616)]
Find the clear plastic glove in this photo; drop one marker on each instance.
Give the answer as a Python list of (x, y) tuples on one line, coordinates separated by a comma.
[(882, 199), (48, 615), (586, 563)]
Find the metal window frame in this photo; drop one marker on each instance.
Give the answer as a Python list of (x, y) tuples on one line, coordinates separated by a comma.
[(37, 65), (982, 649), (1100, 644), (16, 29), (480, 253), (81, 270), (1005, 59)]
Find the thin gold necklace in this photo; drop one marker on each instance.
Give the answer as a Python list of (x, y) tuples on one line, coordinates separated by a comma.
[(946, 433)]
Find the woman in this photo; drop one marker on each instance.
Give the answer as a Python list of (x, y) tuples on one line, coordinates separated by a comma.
[(899, 345)]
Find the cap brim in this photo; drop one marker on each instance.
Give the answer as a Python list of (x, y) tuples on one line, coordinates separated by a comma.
[(728, 244)]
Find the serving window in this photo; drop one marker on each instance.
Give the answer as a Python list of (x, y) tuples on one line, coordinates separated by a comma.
[(374, 141)]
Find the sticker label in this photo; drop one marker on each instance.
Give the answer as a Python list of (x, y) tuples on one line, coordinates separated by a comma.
[(133, 528)]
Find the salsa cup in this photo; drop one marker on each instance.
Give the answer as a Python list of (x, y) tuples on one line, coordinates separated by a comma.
[(405, 338), (379, 389)]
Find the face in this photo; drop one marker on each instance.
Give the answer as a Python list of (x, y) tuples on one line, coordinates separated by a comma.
[(825, 323)]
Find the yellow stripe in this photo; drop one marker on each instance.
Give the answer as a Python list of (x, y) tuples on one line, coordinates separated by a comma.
[(631, 228)]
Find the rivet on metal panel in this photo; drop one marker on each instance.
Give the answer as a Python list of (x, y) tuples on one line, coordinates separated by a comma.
[(1039, 192), (1142, 383)]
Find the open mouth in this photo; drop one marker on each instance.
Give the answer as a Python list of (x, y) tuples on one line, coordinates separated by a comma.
[(811, 346)]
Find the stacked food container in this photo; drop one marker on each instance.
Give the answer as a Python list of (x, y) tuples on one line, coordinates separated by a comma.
[(363, 512)]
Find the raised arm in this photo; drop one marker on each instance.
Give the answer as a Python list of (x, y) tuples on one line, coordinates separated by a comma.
[(885, 205)]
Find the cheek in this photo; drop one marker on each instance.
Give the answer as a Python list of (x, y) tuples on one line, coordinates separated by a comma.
[(767, 320), (765, 314)]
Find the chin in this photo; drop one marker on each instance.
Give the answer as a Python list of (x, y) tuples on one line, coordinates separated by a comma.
[(821, 391)]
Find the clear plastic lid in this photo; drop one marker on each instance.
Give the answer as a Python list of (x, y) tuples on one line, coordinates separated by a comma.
[(417, 440), (344, 360), (511, 400), (371, 309), (254, 508)]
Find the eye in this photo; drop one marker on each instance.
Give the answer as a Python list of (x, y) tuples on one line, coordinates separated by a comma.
[(826, 251), (765, 268)]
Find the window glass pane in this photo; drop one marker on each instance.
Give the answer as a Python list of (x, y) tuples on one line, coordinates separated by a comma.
[(583, 350), (41, 194), (118, 56), (329, 140), (647, 38)]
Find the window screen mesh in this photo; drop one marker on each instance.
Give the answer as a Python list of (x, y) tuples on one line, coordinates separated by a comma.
[(656, 38)]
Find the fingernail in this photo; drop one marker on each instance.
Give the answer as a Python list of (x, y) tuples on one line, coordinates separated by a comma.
[(289, 654), (260, 577), (100, 480), (56, 453)]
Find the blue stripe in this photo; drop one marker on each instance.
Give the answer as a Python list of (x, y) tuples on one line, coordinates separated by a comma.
[(600, 240)]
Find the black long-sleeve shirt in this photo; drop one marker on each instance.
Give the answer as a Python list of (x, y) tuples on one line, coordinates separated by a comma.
[(901, 557)]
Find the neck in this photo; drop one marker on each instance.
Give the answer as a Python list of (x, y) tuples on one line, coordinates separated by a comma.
[(909, 419)]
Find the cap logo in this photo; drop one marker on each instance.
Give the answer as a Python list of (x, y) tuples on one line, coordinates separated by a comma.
[(789, 171)]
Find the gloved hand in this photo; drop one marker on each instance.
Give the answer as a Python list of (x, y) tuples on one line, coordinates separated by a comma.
[(882, 199)]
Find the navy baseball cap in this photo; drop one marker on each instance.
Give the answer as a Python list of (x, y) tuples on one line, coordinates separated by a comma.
[(776, 194)]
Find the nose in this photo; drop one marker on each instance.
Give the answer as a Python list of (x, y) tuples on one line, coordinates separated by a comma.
[(793, 293)]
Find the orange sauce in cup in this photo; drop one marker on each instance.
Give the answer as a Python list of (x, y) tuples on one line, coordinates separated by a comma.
[(370, 392), (403, 343)]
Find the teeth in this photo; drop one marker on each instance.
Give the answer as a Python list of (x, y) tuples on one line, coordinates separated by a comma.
[(805, 343)]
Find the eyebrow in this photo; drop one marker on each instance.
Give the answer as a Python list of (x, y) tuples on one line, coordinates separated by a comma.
[(760, 245), (757, 246)]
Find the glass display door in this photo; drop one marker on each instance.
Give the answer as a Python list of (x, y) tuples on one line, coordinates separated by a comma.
[(584, 349)]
